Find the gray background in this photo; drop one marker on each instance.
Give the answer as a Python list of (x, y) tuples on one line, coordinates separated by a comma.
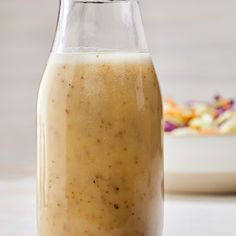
[(193, 43)]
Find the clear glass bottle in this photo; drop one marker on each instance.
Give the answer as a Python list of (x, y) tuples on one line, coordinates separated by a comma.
[(100, 157)]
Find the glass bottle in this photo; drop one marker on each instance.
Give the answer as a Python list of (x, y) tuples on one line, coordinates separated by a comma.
[(100, 157)]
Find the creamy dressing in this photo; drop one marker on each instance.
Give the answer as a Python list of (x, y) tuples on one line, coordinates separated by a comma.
[(100, 162)]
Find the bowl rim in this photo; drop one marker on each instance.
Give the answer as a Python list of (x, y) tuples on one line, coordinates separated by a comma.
[(197, 136)]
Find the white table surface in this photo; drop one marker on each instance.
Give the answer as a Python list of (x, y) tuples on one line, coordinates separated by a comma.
[(184, 215)]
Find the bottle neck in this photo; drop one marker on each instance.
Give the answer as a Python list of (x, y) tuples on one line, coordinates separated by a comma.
[(91, 26)]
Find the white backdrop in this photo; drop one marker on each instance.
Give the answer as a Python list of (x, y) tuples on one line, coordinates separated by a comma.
[(193, 43)]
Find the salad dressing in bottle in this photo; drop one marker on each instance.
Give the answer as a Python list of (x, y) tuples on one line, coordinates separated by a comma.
[(100, 157)]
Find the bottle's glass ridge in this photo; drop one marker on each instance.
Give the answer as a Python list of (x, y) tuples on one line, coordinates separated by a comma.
[(92, 26)]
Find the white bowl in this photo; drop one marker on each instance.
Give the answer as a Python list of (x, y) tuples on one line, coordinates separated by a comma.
[(200, 164)]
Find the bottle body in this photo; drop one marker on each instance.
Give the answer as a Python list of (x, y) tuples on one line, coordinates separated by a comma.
[(100, 157)]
